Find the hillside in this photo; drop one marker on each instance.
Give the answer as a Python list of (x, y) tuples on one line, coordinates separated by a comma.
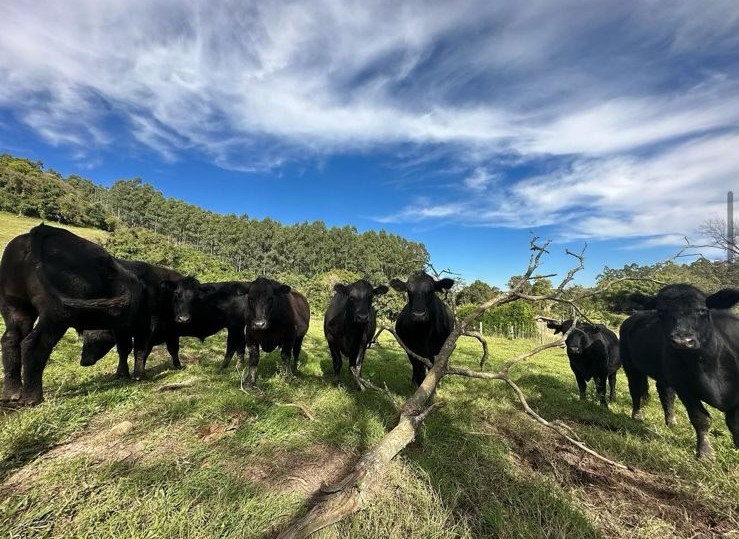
[(12, 225)]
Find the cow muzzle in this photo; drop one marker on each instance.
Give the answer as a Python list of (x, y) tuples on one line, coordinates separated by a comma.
[(361, 318), (259, 324), (420, 316), (682, 342), (183, 319)]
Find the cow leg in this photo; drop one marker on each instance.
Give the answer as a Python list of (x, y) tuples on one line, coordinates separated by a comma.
[(667, 398), (240, 350), (732, 421), (638, 389), (582, 385), (35, 350), (285, 351), (18, 325), (419, 370), (701, 421), (142, 349), (600, 389), (173, 347), (337, 361), (356, 363), (251, 378), (612, 386), (232, 344), (124, 345), (297, 346)]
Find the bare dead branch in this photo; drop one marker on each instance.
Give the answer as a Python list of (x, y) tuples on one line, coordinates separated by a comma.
[(177, 385), (307, 413), (408, 351), (477, 335)]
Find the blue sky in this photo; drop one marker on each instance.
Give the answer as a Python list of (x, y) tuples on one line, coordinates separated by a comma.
[(463, 125)]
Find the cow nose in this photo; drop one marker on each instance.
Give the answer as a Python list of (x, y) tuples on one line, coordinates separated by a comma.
[(684, 343), (362, 317), (419, 315), (259, 324), (575, 349), (183, 319)]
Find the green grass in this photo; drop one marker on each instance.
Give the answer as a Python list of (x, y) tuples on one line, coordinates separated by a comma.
[(210, 460), (12, 226)]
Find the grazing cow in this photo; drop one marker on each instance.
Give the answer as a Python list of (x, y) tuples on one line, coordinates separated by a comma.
[(349, 324), (641, 355), (699, 341), (425, 321), (201, 310), (275, 316), (593, 353), (97, 343), (64, 281)]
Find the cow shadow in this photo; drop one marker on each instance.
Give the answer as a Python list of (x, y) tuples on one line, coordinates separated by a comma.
[(555, 398)]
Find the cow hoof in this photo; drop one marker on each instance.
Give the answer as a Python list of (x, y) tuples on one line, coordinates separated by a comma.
[(705, 453), (138, 377), (122, 375), (582, 396), (11, 396), (178, 367), (671, 421), (30, 400), (636, 416), (604, 403)]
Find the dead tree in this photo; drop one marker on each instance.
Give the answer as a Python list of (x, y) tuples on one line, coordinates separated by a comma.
[(350, 494)]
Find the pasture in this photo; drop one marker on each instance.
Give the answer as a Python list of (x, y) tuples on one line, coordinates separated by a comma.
[(103, 457), (12, 225)]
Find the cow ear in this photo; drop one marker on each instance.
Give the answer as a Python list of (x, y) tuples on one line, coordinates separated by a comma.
[(380, 290), (443, 284), (282, 289), (341, 289), (641, 302), (723, 299), (399, 285), (245, 286), (555, 326)]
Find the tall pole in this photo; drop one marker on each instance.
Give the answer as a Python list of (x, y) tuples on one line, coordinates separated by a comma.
[(730, 239)]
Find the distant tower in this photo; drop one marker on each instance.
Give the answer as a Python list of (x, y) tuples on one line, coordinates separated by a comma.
[(730, 238)]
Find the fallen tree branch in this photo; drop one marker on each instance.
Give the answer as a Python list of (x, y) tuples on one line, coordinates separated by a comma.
[(477, 335), (300, 407)]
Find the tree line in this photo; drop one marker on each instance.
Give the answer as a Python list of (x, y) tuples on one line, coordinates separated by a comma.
[(249, 246)]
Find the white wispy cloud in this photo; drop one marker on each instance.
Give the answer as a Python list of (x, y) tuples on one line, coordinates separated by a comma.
[(635, 103)]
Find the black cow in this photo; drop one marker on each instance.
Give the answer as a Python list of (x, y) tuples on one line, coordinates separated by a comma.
[(64, 281), (641, 355), (201, 310), (275, 316), (593, 353), (425, 321), (699, 341), (350, 322), (97, 343)]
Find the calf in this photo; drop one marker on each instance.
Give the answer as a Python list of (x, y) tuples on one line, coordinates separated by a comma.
[(593, 353), (201, 310), (699, 342), (349, 324), (64, 281), (641, 355), (425, 321), (275, 316)]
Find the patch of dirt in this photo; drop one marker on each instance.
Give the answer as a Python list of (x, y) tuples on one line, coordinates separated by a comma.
[(303, 471), (102, 444), (622, 502)]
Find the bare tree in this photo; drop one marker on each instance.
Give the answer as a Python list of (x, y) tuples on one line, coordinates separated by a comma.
[(717, 233), (351, 493)]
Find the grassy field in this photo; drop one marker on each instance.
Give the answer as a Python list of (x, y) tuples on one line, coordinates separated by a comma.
[(12, 225), (103, 457)]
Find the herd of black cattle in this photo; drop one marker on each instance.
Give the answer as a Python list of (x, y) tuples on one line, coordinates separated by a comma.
[(52, 280)]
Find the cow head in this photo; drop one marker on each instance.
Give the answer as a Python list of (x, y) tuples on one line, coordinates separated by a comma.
[(183, 295), (359, 298), (96, 343), (421, 289), (580, 338), (685, 312), (261, 297)]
